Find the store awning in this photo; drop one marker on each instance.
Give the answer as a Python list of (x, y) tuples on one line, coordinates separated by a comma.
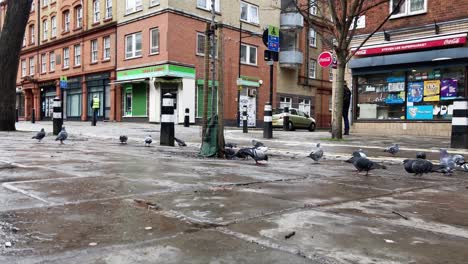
[(412, 59), (130, 81)]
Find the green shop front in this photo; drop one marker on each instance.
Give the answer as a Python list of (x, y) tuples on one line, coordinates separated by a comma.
[(142, 90)]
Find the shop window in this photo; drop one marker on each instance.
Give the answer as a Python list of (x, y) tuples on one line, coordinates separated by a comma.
[(128, 102), (285, 101), (73, 103), (304, 106), (408, 7), (135, 100)]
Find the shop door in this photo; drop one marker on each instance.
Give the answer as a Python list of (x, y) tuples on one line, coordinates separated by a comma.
[(47, 103), (171, 88), (250, 100), (128, 101), (100, 95)]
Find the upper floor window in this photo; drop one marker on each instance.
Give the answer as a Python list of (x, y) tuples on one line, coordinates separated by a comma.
[(32, 35), (77, 53), (79, 16), (133, 6), (313, 69), (154, 2), (53, 26), (107, 48), (66, 58), (94, 50), (66, 21), (408, 7), (23, 68), (43, 63), (45, 2), (154, 41), (33, 6), (32, 66), (312, 38), (108, 9), (248, 54), (133, 45), (96, 11), (52, 61), (24, 40), (206, 4), (249, 13), (45, 30)]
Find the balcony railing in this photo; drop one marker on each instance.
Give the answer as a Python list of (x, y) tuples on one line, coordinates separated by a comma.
[(291, 20), (290, 58)]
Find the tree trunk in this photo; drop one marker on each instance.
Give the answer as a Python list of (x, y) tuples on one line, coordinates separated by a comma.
[(337, 115), (205, 84), (11, 40), (220, 93)]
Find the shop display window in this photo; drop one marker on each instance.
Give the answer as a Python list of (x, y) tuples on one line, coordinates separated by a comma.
[(423, 94)]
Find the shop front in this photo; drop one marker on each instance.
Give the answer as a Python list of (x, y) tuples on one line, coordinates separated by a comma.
[(412, 92), (20, 102), (248, 96), (48, 91), (72, 96), (98, 85), (142, 91)]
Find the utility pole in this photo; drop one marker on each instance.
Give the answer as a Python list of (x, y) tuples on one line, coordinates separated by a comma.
[(207, 77), (213, 59), (220, 93)]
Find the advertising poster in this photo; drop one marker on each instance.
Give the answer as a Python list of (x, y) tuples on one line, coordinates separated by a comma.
[(448, 89), (420, 112), (396, 98), (415, 92), (431, 91)]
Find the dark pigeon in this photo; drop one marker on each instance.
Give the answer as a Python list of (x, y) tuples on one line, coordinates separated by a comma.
[(317, 154), (254, 153), (230, 145), (230, 153), (359, 154), (364, 164), (257, 144), (393, 149), (408, 164), (40, 135), (421, 166), (62, 136), (123, 139), (180, 142), (148, 141), (421, 155)]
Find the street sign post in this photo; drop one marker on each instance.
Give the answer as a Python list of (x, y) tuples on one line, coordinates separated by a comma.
[(63, 82), (325, 59), (273, 38)]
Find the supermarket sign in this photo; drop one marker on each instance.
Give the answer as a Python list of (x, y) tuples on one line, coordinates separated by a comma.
[(412, 45)]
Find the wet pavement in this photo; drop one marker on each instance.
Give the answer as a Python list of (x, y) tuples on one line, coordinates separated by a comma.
[(93, 200)]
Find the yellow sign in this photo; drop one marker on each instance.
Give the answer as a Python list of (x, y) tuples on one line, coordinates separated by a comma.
[(431, 91)]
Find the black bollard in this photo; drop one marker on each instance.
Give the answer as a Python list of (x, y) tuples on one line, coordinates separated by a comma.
[(187, 118), (267, 122), (459, 137), (286, 119), (17, 115), (245, 128), (33, 115), (57, 116), (167, 121)]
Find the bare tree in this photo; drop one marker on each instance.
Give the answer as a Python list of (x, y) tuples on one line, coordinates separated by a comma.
[(11, 40), (336, 22)]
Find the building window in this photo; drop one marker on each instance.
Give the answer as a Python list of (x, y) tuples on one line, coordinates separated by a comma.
[(45, 30), (66, 58), (23, 68), (154, 2), (330, 74), (248, 54), (313, 7), (133, 45), (304, 106), (312, 38), (108, 9), (313, 69), (96, 11), (45, 2), (79, 16), (133, 6), (52, 61), (94, 50), (32, 35), (24, 40), (66, 21), (77, 54), (201, 45), (107, 48), (249, 13), (206, 4), (154, 41), (33, 6), (32, 66), (285, 102), (43, 63), (408, 7), (53, 26)]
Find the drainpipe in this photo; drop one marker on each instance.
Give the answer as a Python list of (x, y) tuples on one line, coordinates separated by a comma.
[(307, 45)]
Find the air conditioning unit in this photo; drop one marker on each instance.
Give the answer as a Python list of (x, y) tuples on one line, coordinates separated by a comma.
[(252, 92)]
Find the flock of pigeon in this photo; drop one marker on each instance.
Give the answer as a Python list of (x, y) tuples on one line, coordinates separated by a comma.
[(258, 152)]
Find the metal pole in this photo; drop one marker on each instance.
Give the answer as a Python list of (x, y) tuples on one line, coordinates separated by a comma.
[(33, 115), (239, 86), (213, 58), (245, 128), (268, 111), (271, 82)]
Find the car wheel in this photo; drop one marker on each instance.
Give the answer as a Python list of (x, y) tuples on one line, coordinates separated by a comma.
[(291, 126), (312, 127)]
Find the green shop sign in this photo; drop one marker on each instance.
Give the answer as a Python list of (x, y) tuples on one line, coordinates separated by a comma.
[(156, 71)]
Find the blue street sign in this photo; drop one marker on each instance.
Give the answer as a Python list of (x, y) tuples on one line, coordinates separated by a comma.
[(63, 82), (273, 38), (272, 46)]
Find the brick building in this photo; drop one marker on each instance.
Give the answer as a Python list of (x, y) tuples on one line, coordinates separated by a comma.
[(407, 76)]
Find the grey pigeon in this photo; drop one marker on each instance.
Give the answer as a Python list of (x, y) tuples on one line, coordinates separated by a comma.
[(62, 136), (254, 153), (230, 145), (465, 167), (393, 149), (359, 154), (317, 154), (180, 142), (421, 155), (40, 135), (364, 164), (148, 141), (257, 144), (458, 159), (123, 139), (447, 164)]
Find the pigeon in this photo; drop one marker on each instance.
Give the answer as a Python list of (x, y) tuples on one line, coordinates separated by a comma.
[(40, 135), (447, 163), (180, 142), (458, 159), (364, 164), (421, 155), (230, 153), (359, 154), (257, 144), (393, 149), (254, 153), (62, 136), (230, 145), (148, 141), (419, 166), (123, 139), (317, 154), (464, 167)]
